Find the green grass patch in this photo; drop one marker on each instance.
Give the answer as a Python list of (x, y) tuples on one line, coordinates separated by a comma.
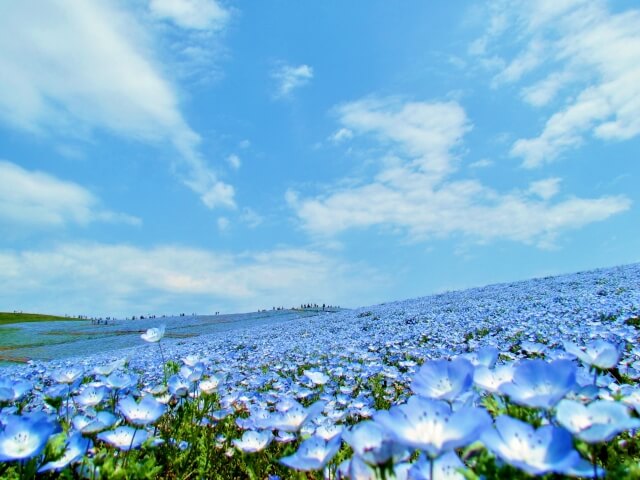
[(7, 318)]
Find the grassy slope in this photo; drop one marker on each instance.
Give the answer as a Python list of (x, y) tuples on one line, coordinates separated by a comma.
[(8, 318)]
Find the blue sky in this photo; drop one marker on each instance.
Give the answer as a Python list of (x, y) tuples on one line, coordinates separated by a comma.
[(198, 156)]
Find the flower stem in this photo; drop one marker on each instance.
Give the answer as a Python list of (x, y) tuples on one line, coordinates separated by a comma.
[(164, 364)]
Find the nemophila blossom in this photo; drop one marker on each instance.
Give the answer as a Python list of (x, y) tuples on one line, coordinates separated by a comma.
[(88, 425), (373, 443), (329, 431), (179, 386), (25, 436), (432, 426), (192, 360), (56, 391), (153, 335), (484, 356), (120, 381), (547, 449), (210, 384), (75, 448), (13, 390), (109, 367), (599, 353), (192, 374), (632, 398), (285, 437), (600, 421), (357, 469), (292, 419), (91, 396), (142, 413), (317, 377), (67, 375), (253, 441), (312, 454), (445, 467), (492, 379), (540, 384), (124, 438), (443, 379), (535, 348)]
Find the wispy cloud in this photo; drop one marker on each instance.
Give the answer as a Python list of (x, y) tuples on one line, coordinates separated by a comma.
[(416, 194), (234, 161), (289, 77), (194, 14), (57, 73), (104, 279), (581, 48), (32, 199)]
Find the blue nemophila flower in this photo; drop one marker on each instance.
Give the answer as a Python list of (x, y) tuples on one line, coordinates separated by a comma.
[(91, 396), (485, 356), (547, 449), (357, 469), (313, 454), (539, 384), (153, 335), (120, 381), (253, 441), (492, 379), (124, 438), (445, 467), (67, 375), (295, 415), (598, 353), (285, 437), (110, 367), (373, 443), (178, 386), (210, 384), (25, 436), (75, 449), (443, 379), (432, 426), (535, 348), (142, 413), (192, 374), (13, 390), (317, 377), (89, 425), (598, 422), (56, 391), (328, 431)]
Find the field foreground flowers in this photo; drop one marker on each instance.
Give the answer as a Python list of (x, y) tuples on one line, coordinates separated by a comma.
[(537, 378)]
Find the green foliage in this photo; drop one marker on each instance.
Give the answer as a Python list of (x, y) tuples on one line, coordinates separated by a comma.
[(10, 317)]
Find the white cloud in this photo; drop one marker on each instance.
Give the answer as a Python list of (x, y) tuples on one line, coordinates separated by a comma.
[(195, 14), (119, 279), (234, 161), (35, 199), (415, 196), (288, 78), (250, 217), (482, 163), (341, 135), (545, 189), (73, 67), (223, 223), (591, 51), (426, 132)]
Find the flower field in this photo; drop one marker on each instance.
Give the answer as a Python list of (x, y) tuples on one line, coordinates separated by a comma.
[(536, 378)]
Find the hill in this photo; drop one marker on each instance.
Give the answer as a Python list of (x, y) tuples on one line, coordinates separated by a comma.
[(7, 318)]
